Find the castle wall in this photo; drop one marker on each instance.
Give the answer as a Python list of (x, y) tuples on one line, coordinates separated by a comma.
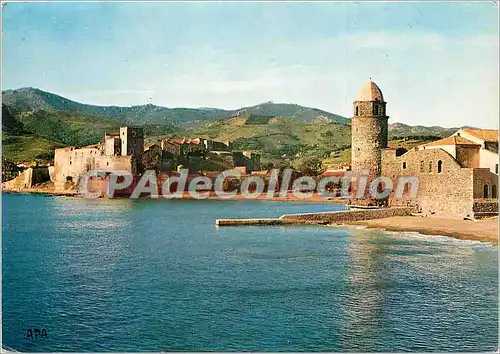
[(70, 163), (30, 177), (20, 182), (112, 146)]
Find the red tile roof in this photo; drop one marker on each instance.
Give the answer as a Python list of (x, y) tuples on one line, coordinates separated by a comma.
[(452, 140), (489, 135)]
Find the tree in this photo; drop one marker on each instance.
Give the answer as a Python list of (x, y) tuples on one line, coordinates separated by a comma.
[(310, 165)]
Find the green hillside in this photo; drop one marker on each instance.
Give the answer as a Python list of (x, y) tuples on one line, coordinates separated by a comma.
[(401, 130)]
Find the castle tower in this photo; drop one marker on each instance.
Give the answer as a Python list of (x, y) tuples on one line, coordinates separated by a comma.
[(369, 130), (132, 144), (132, 140)]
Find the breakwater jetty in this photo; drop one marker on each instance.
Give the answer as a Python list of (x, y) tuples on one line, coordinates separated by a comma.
[(321, 218)]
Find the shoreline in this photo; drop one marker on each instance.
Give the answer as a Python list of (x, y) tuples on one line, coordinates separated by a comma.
[(41, 192), (484, 230), (316, 198)]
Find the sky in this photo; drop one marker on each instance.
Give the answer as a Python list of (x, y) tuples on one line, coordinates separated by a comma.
[(436, 63)]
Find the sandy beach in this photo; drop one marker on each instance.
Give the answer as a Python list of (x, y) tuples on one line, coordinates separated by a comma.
[(485, 230)]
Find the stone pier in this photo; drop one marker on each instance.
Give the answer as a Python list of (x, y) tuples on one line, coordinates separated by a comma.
[(323, 218)]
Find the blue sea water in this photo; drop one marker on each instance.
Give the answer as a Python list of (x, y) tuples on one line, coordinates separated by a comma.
[(143, 275)]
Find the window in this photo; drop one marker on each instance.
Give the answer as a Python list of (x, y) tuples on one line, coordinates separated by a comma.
[(496, 169), (401, 151), (485, 191), (422, 168), (404, 165), (494, 191), (430, 166), (357, 111), (440, 166)]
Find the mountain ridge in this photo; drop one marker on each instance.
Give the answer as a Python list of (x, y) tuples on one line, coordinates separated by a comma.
[(29, 98)]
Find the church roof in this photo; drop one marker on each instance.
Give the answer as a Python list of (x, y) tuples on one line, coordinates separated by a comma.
[(452, 140), (370, 92), (489, 135)]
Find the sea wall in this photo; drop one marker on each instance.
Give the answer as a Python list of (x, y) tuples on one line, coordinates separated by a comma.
[(349, 215), (334, 217)]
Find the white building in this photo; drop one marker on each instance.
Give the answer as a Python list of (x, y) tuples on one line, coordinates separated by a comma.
[(475, 148), (488, 139)]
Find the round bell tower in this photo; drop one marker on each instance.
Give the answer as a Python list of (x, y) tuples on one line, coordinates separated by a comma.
[(369, 130)]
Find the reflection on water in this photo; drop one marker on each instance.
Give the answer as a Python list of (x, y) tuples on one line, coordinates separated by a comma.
[(417, 292), (142, 275), (365, 298)]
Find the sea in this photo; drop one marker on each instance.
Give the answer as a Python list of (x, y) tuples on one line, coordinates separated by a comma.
[(119, 275)]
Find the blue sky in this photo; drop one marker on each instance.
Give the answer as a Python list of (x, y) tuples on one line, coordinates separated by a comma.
[(436, 63)]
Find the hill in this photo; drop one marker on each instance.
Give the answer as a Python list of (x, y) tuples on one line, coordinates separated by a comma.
[(400, 130), (300, 113), (33, 99)]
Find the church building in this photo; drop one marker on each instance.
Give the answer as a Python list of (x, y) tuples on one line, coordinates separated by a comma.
[(457, 176)]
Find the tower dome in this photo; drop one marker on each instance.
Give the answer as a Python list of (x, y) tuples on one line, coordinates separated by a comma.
[(370, 92)]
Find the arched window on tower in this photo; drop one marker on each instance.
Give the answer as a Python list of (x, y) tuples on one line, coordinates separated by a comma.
[(357, 111), (494, 191), (440, 166), (485, 191)]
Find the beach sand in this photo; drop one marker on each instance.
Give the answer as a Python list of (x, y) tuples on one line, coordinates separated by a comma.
[(485, 230)]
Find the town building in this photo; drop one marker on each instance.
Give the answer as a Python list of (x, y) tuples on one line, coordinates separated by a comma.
[(189, 151)]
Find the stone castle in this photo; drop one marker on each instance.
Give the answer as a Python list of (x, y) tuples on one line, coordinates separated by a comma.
[(125, 151), (121, 151), (458, 176)]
